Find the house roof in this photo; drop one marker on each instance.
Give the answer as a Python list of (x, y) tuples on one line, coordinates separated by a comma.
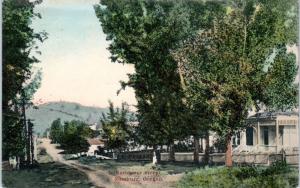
[(267, 115), (95, 141)]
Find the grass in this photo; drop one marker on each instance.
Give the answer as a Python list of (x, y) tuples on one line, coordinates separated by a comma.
[(165, 168), (50, 175), (277, 176)]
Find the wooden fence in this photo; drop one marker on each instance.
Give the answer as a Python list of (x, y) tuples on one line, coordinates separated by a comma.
[(135, 156), (214, 158)]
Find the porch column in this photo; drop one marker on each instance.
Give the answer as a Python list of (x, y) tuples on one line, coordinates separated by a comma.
[(258, 134), (277, 133), (297, 127)]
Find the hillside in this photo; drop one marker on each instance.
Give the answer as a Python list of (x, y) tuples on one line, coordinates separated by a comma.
[(66, 111)]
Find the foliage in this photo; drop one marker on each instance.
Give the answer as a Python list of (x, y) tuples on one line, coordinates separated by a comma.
[(72, 136), (56, 130), (279, 166), (277, 175), (183, 147), (143, 33), (116, 126), (13, 137), (241, 63), (219, 145), (19, 42)]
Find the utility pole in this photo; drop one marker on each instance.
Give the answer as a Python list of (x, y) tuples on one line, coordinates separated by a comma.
[(27, 147), (31, 142), (298, 58), (26, 130)]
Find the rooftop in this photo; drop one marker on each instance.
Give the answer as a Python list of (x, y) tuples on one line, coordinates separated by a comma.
[(265, 115), (95, 141)]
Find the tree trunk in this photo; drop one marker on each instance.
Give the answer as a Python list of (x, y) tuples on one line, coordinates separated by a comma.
[(30, 136), (172, 152), (156, 156), (154, 159), (196, 149), (206, 152), (228, 156), (18, 162)]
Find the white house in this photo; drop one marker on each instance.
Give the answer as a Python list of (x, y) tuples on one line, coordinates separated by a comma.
[(269, 132), (94, 144), (95, 126)]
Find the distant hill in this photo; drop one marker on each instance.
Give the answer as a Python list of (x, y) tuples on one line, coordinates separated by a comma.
[(66, 111)]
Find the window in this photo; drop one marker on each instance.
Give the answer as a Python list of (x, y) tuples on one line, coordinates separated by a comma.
[(266, 135), (249, 136), (281, 135)]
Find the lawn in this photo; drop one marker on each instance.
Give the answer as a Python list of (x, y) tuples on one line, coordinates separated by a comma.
[(165, 168), (277, 176), (50, 175), (163, 175)]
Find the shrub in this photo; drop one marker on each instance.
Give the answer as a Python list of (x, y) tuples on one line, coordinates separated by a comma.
[(278, 175), (276, 168), (245, 172)]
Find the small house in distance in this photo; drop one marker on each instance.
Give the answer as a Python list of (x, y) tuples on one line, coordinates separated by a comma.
[(95, 143), (269, 132)]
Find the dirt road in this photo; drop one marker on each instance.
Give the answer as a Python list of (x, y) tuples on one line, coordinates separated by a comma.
[(97, 177), (100, 178)]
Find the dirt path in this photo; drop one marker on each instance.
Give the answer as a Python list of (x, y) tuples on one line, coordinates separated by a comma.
[(101, 178), (97, 177)]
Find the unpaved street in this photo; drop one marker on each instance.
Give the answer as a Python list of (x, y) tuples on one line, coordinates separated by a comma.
[(101, 178), (97, 177)]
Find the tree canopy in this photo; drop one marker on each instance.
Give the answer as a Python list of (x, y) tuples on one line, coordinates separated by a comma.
[(144, 33), (117, 127), (72, 135), (19, 83), (242, 63)]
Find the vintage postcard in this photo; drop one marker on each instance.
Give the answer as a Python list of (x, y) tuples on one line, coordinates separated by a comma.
[(150, 93)]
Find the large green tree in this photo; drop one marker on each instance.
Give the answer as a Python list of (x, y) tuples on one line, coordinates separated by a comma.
[(242, 63), (74, 137), (19, 41), (144, 33)]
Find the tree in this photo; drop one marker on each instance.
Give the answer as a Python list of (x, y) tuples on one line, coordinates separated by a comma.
[(19, 41), (144, 33), (229, 68), (56, 131), (116, 127), (74, 137), (46, 132)]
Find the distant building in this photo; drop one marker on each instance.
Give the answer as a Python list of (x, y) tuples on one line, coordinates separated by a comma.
[(93, 126), (269, 132), (95, 143)]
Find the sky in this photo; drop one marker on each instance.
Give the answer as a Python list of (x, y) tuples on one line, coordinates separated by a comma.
[(75, 61)]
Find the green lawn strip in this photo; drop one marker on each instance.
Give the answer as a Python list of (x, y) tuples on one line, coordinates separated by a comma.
[(276, 176), (51, 175)]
